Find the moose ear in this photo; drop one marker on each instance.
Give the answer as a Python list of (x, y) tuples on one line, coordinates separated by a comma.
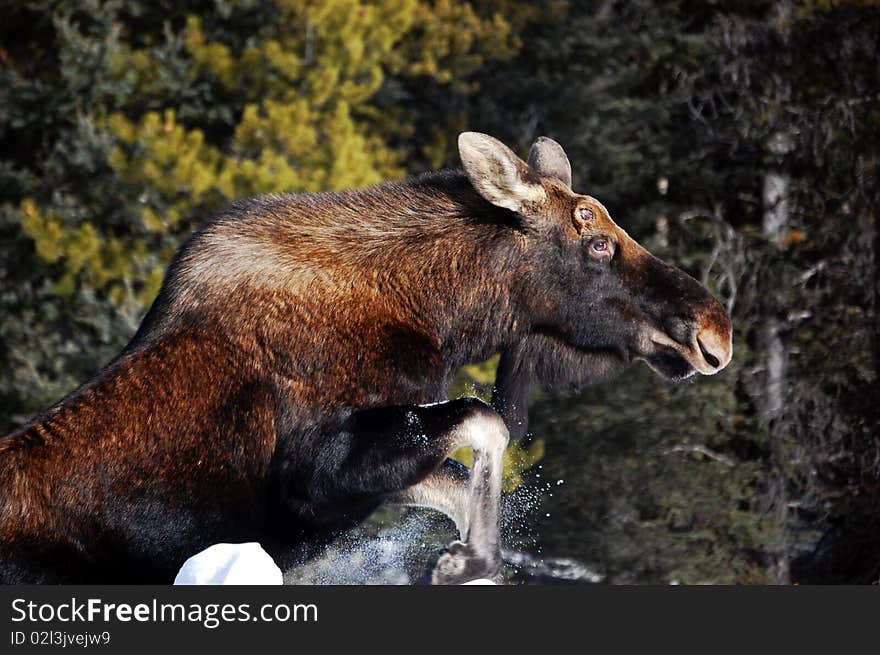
[(548, 159), (496, 172)]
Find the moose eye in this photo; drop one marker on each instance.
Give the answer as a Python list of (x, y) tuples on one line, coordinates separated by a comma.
[(602, 248)]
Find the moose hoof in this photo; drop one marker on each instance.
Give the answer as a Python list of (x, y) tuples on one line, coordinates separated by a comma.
[(459, 563)]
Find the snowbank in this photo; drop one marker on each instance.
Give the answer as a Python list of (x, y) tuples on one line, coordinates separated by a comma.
[(239, 564), (230, 564)]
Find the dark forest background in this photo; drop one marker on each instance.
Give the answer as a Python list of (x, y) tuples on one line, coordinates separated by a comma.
[(737, 140)]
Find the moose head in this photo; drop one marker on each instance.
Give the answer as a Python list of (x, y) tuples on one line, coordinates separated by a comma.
[(605, 300)]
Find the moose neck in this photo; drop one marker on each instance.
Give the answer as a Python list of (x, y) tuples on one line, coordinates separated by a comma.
[(463, 270), (474, 311)]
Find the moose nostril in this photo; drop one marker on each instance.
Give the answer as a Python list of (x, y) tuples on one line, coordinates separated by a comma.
[(711, 359)]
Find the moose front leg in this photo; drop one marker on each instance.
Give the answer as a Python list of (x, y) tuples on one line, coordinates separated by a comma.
[(407, 447), (471, 498), (447, 491)]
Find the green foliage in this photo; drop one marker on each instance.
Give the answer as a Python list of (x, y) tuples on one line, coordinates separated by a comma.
[(475, 380), (660, 481), (123, 124)]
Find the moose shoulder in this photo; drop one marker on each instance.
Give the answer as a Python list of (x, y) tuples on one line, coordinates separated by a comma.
[(291, 374)]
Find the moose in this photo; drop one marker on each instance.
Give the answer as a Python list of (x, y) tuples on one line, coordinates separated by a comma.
[(291, 375)]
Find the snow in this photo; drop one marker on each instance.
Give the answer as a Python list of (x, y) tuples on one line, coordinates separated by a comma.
[(230, 564), (240, 564)]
